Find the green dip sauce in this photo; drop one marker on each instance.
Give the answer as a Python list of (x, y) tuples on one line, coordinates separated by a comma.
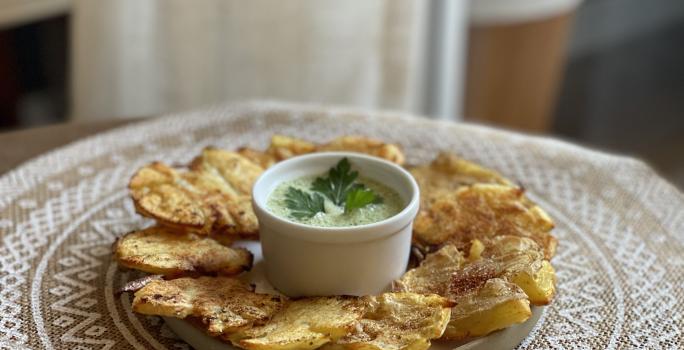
[(335, 216)]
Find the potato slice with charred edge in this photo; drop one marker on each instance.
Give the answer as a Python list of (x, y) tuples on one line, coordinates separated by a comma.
[(221, 304), (214, 196), (159, 192), (158, 250), (137, 284), (481, 211)]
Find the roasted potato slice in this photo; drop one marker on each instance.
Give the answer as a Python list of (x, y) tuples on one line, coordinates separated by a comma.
[(221, 304), (304, 324), (283, 147), (495, 305), (448, 172), (137, 284), (398, 321), (265, 160), (214, 196), (516, 259), (159, 192), (385, 322), (236, 174), (479, 295), (362, 144), (434, 274), (522, 262), (483, 211), (159, 250)]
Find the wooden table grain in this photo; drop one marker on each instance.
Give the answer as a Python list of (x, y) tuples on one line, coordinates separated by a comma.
[(19, 146)]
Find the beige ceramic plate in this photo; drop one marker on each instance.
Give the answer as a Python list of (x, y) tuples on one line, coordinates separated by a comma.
[(502, 340)]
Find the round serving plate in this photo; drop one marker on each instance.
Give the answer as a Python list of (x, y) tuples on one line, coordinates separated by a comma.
[(505, 339), (620, 227)]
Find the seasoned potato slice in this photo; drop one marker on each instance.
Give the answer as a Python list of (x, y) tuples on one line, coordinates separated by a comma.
[(159, 250), (522, 262), (434, 274), (214, 196), (159, 192), (516, 259), (539, 286), (497, 304), (221, 304), (304, 324), (473, 284), (390, 321), (480, 211), (398, 321), (461, 200)]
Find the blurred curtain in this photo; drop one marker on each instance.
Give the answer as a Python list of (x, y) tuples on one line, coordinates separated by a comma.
[(144, 57)]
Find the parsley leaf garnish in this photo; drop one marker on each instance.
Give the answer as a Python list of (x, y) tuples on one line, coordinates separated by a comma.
[(360, 197), (339, 187), (339, 182), (303, 205)]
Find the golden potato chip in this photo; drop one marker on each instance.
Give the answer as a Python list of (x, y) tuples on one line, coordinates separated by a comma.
[(481, 211), (214, 196), (221, 304), (158, 250)]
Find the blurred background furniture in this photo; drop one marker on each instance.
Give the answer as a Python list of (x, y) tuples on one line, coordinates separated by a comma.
[(515, 61)]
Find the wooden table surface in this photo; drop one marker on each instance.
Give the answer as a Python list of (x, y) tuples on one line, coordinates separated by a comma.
[(19, 146)]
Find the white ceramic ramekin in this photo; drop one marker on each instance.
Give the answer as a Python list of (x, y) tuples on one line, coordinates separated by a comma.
[(304, 260)]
